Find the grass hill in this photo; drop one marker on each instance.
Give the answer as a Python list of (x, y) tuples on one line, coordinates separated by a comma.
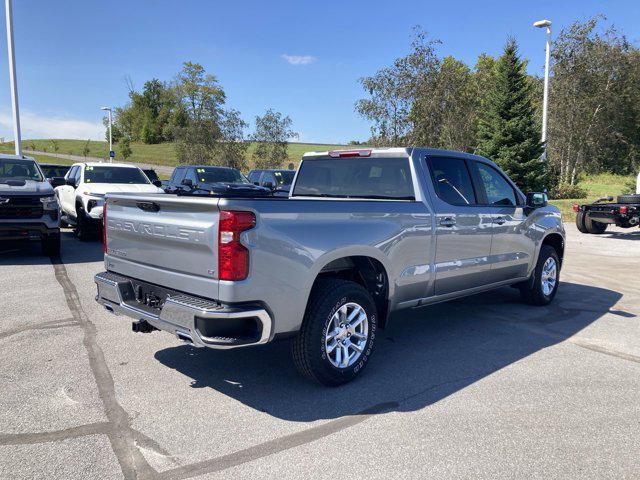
[(159, 154)]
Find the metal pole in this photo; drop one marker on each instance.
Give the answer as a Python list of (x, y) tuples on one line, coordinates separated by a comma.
[(545, 100), (13, 80), (110, 138)]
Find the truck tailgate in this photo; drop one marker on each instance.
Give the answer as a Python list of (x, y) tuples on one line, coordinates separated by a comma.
[(164, 239)]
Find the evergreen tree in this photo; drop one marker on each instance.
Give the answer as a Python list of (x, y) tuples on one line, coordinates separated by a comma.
[(508, 132)]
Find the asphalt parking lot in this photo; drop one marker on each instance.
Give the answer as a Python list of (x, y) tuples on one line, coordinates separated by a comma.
[(484, 387)]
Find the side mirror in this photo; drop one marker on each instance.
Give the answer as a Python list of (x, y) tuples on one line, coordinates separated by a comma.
[(256, 183), (57, 181), (187, 182), (71, 182), (157, 183), (269, 185), (537, 199)]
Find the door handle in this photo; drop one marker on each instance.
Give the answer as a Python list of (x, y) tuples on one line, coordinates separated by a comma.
[(447, 222), (499, 220)]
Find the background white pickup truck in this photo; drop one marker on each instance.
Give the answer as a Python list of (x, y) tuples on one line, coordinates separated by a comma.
[(82, 196)]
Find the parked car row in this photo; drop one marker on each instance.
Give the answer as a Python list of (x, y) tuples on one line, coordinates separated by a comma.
[(79, 190)]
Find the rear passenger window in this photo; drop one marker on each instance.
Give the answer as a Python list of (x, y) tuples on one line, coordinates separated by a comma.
[(497, 189), (254, 176), (452, 181)]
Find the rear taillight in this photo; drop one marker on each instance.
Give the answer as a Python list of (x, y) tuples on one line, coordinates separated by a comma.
[(104, 227), (576, 207), (233, 257), (349, 153), (624, 210)]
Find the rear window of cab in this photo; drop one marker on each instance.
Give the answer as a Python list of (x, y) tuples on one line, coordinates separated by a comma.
[(374, 177)]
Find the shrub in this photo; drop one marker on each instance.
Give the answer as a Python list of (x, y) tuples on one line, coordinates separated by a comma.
[(629, 186), (564, 190)]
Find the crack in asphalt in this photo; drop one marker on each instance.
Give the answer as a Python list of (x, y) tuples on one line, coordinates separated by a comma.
[(125, 440), (66, 322), (122, 436), (42, 437), (276, 445)]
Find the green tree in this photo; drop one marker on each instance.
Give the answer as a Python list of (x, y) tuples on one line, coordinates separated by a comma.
[(443, 113), (232, 147), (124, 145), (509, 133), (272, 134), (55, 146), (85, 149), (201, 99), (594, 110), (392, 91)]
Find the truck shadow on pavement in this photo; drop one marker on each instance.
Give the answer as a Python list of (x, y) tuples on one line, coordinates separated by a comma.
[(626, 235), (30, 253), (424, 356)]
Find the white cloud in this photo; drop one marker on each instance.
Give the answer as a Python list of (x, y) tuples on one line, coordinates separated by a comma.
[(299, 59), (34, 125)]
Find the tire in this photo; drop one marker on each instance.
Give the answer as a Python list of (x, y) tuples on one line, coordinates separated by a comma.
[(580, 223), (633, 198), (51, 245), (594, 227), (330, 300), (82, 229), (536, 291)]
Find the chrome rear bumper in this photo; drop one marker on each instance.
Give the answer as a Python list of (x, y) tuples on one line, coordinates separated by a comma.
[(181, 314)]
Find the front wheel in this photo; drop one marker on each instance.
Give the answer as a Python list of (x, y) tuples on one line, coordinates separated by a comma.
[(51, 244), (338, 333), (542, 287), (82, 227)]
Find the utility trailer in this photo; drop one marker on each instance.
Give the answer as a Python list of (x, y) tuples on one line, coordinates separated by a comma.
[(594, 218)]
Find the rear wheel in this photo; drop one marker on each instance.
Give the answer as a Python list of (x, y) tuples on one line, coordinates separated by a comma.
[(338, 333), (580, 223), (542, 287), (594, 227)]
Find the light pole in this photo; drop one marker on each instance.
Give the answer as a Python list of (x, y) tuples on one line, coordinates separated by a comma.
[(12, 79), (108, 109), (545, 101)]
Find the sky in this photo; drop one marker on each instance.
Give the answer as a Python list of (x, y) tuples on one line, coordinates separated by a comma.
[(302, 58)]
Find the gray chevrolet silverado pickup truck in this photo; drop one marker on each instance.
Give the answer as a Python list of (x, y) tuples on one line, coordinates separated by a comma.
[(362, 233), (29, 208)]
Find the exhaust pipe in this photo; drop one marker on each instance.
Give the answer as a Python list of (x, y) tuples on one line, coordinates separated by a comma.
[(184, 337)]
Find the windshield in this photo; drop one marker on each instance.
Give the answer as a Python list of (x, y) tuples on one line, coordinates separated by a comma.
[(284, 177), (381, 178), (224, 175), (51, 171), (114, 175), (19, 170)]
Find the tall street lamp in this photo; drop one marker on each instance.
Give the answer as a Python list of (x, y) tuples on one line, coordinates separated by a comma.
[(545, 101), (13, 80), (111, 153)]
